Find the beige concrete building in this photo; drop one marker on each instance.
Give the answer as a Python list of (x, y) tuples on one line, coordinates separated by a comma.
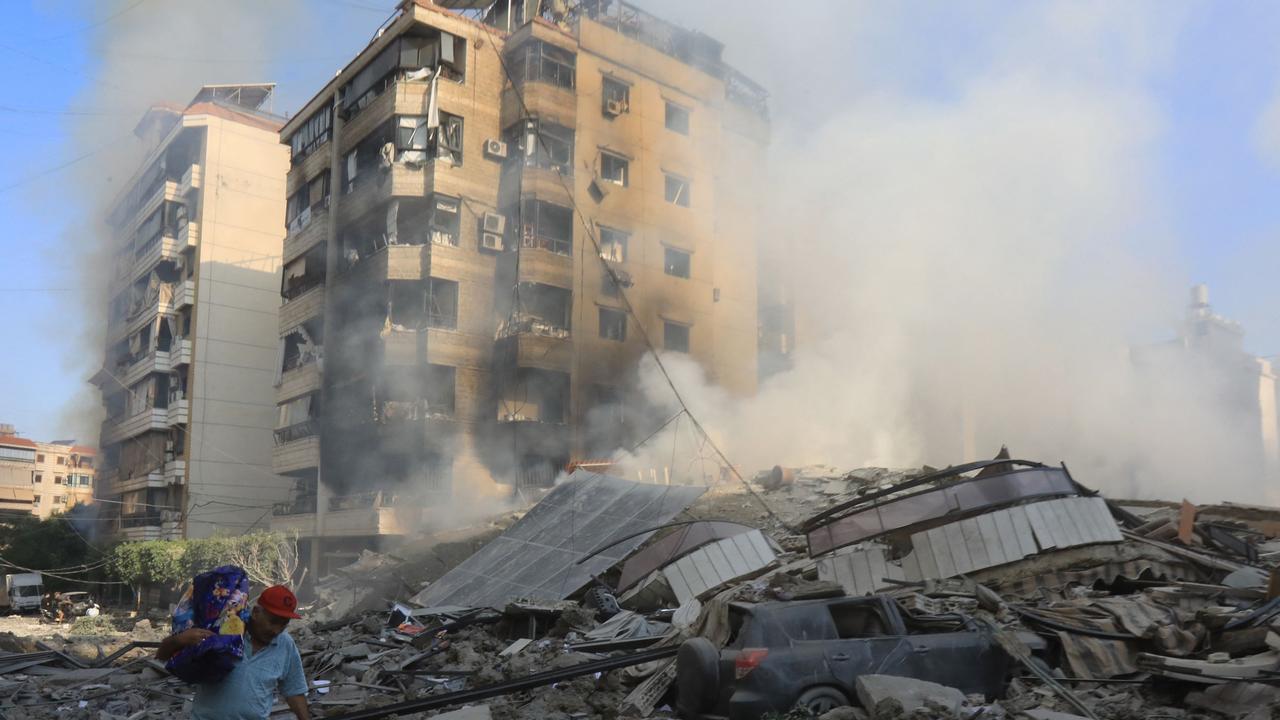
[(494, 210), (187, 376), (43, 478)]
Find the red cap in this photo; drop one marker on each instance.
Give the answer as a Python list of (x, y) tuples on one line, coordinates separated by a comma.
[(279, 601)]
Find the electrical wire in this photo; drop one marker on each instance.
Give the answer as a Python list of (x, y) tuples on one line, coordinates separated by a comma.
[(56, 168), (95, 24), (58, 576)]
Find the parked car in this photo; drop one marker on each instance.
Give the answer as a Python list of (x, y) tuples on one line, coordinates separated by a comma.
[(809, 654)]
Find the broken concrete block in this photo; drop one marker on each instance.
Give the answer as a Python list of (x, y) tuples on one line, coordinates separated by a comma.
[(911, 693), (1039, 714), (844, 713), (474, 712)]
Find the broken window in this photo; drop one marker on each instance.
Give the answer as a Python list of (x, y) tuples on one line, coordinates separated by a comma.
[(548, 226), (445, 220), (613, 324), (543, 310), (303, 273), (615, 97), (442, 303), (417, 141), (311, 134), (302, 346), (614, 168), (677, 190), (449, 142), (537, 61), (416, 393), (677, 118), (412, 56), (613, 244), (858, 620), (676, 262), (296, 419), (406, 309), (675, 336)]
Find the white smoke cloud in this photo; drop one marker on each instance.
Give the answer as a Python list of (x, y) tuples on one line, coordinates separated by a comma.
[(979, 242)]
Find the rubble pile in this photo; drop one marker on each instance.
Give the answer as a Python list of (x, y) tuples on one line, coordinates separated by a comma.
[(998, 589)]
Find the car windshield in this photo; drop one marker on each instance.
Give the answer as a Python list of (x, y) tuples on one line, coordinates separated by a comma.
[(26, 591)]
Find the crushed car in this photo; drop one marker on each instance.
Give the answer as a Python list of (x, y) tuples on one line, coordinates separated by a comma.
[(808, 655)]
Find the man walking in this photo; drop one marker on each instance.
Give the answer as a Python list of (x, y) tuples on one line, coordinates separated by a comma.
[(271, 662)]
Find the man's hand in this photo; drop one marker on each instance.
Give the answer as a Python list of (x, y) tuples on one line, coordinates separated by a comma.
[(187, 638)]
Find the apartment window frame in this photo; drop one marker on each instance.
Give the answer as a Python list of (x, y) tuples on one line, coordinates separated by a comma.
[(614, 90), (39, 457), (677, 121), (677, 189), (613, 243), (676, 262), (311, 134), (57, 480), (543, 144), (442, 312), (676, 336), (615, 168), (542, 62), (39, 478), (537, 226), (613, 324), (417, 144), (444, 227)]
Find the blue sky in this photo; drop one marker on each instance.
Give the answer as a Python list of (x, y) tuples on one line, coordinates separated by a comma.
[(1209, 88)]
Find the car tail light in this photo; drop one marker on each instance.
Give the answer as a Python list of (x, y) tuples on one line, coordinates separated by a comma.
[(748, 660)]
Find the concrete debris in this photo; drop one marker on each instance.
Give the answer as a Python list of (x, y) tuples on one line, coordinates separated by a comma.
[(1109, 610)]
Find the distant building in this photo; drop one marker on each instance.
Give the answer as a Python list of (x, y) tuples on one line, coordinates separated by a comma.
[(471, 197), (191, 321), (43, 478)]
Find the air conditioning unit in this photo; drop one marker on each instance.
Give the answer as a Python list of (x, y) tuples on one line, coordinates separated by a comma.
[(495, 223), (614, 108), (491, 241), (495, 148)]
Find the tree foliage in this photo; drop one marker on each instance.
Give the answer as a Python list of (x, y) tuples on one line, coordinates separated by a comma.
[(30, 542), (267, 557)]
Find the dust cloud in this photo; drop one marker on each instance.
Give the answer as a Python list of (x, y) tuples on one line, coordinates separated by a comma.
[(975, 222)]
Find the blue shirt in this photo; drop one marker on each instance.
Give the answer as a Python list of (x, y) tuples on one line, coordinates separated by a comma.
[(249, 692)]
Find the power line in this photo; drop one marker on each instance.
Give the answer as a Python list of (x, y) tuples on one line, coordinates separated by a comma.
[(92, 25), (56, 168)]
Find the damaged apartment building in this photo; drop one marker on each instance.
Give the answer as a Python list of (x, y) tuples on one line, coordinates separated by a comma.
[(187, 375), (493, 212)]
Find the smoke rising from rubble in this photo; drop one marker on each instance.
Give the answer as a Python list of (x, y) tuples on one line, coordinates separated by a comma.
[(978, 236)]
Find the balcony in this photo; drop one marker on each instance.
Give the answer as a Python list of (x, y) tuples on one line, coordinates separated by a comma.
[(297, 447), (184, 294), (537, 263), (153, 362), (301, 239), (179, 412), (163, 248), (532, 349), (189, 235), (539, 99), (167, 190), (193, 178), (296, 517), (373, 513), (305, 305), (153, 479), (140, 529), (396, 262), (299, 381), (116, 429), (179, 354), (175, 472)]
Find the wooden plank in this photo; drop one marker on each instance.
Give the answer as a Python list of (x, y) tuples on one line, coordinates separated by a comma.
[(991, 540), (1022, 526)]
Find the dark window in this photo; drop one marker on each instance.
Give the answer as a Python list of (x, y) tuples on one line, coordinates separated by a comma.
[(677, 190), (57, 479), (445, 223), (59, 460), (39, 478), (548, 226), (608, 287), (616, 97), (416, 143), (613, 324), (39, 458), (308, 200), (677, 119), (537, 61), (857, 620), (675, 336), (442, 303), (614, 169), (311, 134), (613, 244), (36, 499), (676, 262)]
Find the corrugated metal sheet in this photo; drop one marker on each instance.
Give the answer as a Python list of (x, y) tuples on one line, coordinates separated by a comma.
[(695, 575), (536, 558), (976, 543)]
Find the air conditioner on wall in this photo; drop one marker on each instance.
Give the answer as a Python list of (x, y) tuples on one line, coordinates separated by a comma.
[(614, 107), (495, 148), (491, 241), (495, 223)]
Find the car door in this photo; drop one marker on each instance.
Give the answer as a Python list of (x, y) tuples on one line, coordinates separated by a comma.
[(866, 642)]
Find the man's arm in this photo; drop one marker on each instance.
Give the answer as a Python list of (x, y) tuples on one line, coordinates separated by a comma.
[(298, 704), (172, 644)]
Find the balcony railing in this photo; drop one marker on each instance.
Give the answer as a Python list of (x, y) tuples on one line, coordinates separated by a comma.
[(297, 431), (398, 411), (523, 324), (297, 506), (375, 499), (560, 246), (303, 284)]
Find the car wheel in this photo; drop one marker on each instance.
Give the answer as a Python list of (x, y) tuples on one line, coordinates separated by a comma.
[(818, 700), (697, 676)]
